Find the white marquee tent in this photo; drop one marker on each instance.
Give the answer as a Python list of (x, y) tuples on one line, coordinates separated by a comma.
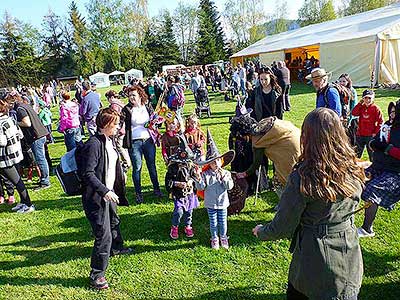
[(100, 79), (354, 44), (133, 73)]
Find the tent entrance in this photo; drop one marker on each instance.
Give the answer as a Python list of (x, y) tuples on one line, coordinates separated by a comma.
[(302, 60)]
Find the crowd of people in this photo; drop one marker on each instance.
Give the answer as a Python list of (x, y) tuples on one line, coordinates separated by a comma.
[(318, 174)]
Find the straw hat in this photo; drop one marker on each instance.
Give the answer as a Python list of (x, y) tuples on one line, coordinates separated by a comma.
[(317, 73), (213, 153)]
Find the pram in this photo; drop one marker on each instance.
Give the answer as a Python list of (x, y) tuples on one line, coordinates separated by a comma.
[(202, 102)]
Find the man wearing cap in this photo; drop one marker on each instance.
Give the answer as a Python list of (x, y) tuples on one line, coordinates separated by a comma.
[(369, 122), (326, 96), (89, 108)]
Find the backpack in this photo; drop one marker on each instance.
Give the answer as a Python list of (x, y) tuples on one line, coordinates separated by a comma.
[(67, 173), (176, 98), (345, 97)]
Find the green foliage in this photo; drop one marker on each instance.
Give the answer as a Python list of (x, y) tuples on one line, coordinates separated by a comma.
[(316, 11), (359, 6), (211, 44), (18, 62)]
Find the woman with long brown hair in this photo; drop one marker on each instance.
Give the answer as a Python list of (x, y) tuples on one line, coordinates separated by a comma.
[(316, 211), (266, 100)]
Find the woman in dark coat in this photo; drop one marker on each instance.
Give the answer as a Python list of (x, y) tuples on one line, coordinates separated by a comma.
[(316, 211), (103, 188)]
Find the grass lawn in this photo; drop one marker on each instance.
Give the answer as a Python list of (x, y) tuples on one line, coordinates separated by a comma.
[(46, 254)]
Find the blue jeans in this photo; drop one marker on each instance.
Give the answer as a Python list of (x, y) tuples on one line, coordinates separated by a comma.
[(147, 149), (179, 213), (40, 158), (72, 137), (218, 221)]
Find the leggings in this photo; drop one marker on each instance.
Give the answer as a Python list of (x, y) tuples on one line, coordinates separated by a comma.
[(12, 175)]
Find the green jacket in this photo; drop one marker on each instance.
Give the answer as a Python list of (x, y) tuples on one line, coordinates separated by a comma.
[(327, 261)]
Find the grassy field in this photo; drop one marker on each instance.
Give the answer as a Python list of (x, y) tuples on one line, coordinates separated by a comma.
[(46, 254)]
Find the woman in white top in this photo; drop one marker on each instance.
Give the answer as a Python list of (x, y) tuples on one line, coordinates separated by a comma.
[(137, 140)]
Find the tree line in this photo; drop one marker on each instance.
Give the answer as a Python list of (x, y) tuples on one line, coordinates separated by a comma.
[(118, 35)]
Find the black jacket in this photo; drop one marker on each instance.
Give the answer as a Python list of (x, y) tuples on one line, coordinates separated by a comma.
[(126, 116), (91, 163)]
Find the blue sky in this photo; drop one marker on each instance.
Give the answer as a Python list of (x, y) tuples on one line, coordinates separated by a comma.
[(32, 11)]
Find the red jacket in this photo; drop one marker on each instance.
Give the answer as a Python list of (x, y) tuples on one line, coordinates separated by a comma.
[(370, 120)]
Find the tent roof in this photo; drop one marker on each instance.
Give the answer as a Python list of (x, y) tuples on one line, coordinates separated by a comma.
[(99, 74), (116, 73), (361, 25), (132, 70)]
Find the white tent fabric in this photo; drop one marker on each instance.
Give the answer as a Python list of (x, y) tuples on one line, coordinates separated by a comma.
[(133, 73), (348, 32), (267, 58), (101, 79), (116, 73)]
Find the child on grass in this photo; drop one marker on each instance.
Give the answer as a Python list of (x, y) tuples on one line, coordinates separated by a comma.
[(215, 181), (194, 135), (170, 139), (179, 183)]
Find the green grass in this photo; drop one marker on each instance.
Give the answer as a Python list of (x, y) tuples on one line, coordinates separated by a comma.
[(46, 254)]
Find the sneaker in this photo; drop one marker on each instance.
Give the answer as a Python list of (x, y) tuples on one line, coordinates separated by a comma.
[(123, 251), (99, 284), (10, 200), (225, 243), (174, 234), (158, 194), (2, 200), (26, 209), (17, 207), (362, 233), (41, 187), (215, 244), (189, 231), (139, 198)]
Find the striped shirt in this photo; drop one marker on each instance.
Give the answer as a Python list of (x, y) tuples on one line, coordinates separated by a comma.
[(10, 145)]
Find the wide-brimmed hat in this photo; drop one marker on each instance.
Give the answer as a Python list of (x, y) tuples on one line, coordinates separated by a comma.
[(213, 153), (317, 73), (183, 153)]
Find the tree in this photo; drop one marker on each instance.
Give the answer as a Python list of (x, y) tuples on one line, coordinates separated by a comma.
[(280, 17), (185, 24), (18, 63), (211, 44), (351, 7), (245, 18), (316, 11)]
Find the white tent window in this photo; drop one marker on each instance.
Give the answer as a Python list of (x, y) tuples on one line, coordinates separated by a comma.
[(133, 73), (100, 79)]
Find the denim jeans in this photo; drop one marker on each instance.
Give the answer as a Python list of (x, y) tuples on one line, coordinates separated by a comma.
[(218, 221), (91, 126), (72, 137), (40, 158), (179, 213), (147, 149)]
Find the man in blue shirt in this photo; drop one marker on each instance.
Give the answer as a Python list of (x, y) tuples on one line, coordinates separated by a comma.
[(326, 96), (89, 108)]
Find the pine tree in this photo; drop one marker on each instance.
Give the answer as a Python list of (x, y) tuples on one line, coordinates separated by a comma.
[(168, 41), (359, 6), (211, 44)]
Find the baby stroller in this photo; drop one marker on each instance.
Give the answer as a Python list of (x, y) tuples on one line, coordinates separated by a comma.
[(202, 102)]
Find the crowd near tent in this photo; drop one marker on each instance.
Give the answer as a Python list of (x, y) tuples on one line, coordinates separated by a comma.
[(133, 73), (116, 77), (365, 45), (100, 79)]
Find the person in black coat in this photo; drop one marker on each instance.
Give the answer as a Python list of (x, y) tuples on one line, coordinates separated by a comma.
[(103, 188)]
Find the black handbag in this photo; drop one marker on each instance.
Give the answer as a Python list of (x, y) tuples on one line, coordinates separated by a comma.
[(67, 174)]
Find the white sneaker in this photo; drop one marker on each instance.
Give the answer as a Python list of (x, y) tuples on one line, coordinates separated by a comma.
[(17, 207), (362, 233), (26, 209)]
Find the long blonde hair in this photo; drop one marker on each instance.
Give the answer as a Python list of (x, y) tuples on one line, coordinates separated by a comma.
[(328, 164)]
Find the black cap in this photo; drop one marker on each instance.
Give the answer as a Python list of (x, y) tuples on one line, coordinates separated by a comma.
[(368, 93)]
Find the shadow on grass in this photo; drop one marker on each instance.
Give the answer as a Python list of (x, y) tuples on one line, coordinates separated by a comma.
[(75, 282), (376, 265), (235, 294), (387, 290)]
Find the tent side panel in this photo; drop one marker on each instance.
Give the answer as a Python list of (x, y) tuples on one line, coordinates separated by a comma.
[(270, 57), (354, 57), (390, 55)]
